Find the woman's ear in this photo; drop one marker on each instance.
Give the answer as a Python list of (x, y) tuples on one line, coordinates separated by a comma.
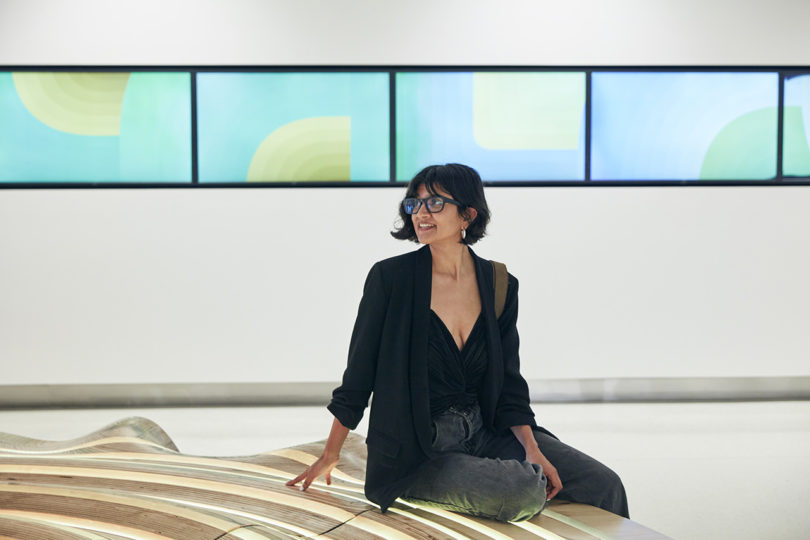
[(470, 214)]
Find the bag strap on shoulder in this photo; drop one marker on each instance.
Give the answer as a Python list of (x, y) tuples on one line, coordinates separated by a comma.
[(501, 283)]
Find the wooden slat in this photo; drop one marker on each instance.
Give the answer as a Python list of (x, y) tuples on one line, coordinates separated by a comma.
[(20, 528)]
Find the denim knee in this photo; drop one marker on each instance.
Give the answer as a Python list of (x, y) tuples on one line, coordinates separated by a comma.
[(614, 497), (603, 488), (526, 495), (611, 480)]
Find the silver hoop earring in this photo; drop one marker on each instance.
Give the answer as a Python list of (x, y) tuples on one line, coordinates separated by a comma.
[(463, 234)]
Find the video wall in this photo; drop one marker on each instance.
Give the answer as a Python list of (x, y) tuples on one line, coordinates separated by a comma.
[(283, 127)]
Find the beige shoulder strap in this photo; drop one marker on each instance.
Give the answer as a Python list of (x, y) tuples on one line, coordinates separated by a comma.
[(501, 283)]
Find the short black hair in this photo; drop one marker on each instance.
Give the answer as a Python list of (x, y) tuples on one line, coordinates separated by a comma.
[(463, 184)]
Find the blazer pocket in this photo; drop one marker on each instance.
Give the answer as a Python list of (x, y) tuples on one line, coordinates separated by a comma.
[(382, 443)]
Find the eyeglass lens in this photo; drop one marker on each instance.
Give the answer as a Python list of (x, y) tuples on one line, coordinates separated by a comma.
[(433, 204)]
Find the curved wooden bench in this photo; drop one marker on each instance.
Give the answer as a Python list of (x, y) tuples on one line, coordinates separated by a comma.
[(128, 480)]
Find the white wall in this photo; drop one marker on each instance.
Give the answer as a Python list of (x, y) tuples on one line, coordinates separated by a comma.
[(262, 285), (474, 32), (237, 285)]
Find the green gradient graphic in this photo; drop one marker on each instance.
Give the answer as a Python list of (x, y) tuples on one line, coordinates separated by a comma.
[(411, 136), (796, 148), (744, 149), (528, 111), (155, 142)]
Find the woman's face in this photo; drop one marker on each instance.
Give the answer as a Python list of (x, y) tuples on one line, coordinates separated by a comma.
[(440, 227)]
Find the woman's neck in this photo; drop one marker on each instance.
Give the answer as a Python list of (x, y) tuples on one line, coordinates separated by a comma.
[(451, 260)]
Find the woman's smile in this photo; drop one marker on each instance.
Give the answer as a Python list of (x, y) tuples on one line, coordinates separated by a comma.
[(425, 227)]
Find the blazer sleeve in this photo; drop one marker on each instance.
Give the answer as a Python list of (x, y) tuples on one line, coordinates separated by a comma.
[(513, 407), (350, 399)]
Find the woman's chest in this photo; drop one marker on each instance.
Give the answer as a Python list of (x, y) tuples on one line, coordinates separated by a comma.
[(458, 305)]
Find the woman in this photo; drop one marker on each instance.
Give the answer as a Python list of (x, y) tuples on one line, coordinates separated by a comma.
[(450, 423)]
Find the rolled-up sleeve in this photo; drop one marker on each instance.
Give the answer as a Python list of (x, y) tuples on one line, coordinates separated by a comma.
[(350, 399), (513, 407)]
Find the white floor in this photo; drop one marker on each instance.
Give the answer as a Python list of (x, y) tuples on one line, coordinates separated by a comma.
[(692, 471)]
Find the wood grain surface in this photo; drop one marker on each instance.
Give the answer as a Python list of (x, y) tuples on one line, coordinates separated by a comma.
[(129, 481)]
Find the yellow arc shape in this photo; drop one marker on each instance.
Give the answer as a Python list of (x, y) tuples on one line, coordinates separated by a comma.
[(77, 103), (310, 149)]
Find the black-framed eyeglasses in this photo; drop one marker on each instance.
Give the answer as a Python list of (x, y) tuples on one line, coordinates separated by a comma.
[(432, 204)]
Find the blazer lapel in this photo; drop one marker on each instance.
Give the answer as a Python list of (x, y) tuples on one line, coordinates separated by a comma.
[(491, 388), (420, 326)]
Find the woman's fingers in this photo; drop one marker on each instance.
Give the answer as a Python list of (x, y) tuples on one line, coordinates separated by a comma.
[(554, 484), (312, 473), (297, 478), (307, 478)]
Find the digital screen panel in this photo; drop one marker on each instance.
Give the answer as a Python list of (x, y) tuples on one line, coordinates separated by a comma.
[(293, 127), (683, 126), (506, 125), (796, 141), (95, 127)]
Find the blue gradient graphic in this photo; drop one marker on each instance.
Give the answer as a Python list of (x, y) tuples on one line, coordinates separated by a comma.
[(435, 125), (660, 126)]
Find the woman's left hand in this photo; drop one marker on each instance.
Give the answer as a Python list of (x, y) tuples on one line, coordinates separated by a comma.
[(553, 483)]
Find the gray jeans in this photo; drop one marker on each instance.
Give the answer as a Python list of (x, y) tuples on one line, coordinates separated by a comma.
[(482, 473)]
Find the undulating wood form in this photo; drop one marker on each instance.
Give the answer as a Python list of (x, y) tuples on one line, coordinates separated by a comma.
[(129, 480)]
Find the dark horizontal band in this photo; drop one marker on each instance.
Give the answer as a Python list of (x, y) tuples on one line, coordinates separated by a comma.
[(605, 390)]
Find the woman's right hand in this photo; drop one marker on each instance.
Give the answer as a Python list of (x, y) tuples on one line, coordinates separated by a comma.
[(322, 467)]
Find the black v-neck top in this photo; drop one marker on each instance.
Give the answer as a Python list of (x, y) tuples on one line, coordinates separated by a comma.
[(454, 376)]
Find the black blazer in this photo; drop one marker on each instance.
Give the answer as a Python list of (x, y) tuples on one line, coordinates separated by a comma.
[(388, 356)]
